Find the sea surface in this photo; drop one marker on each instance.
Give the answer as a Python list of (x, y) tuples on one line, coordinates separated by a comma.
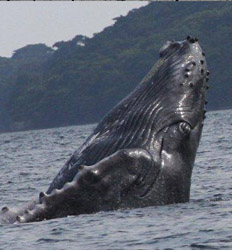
[(30, 160)]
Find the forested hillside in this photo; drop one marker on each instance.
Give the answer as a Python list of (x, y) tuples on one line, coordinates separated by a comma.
[(78, 81)]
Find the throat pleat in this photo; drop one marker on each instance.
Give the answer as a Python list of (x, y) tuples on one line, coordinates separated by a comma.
[(133, 120)]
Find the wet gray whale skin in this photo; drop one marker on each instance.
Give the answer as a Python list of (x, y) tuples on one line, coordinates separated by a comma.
[(142, 152)]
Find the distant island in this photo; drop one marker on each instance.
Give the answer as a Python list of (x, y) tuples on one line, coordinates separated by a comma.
[(79, 81)]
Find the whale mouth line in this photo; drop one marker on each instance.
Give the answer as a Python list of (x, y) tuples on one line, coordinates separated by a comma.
[(165, 131)]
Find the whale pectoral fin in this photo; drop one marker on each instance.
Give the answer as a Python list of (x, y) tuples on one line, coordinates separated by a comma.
[(9, 215), (99, 187)]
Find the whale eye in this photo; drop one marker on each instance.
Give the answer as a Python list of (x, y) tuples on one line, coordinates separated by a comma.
[(184, 128)]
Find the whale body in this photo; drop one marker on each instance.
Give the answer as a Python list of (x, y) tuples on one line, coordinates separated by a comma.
[(142, 152)]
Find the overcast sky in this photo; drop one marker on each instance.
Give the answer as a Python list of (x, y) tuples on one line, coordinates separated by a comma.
[(23, 23)]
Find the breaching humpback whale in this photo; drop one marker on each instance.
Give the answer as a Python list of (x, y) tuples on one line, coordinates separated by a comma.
[(142, 152)]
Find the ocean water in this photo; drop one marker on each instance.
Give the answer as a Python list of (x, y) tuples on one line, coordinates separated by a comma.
[(30, 160)]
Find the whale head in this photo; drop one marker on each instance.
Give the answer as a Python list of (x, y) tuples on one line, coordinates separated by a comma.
[(180, 85)]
